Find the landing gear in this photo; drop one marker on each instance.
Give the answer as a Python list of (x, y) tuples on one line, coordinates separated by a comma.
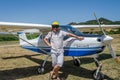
[(97, 74), (41, 69), (76, 62)]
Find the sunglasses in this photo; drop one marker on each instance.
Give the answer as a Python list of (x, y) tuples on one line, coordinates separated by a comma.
[(55, 26)]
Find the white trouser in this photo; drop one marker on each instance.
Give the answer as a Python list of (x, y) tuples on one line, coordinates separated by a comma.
[(57, 59)]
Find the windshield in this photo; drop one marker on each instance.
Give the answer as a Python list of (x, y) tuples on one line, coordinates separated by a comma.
[(72, 30), (75, 31)]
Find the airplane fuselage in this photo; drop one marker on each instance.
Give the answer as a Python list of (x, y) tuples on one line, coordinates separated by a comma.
[(72, 46)]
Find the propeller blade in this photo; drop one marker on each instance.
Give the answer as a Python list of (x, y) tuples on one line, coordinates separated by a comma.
[(99, 24), (113, 54), (106, 40)]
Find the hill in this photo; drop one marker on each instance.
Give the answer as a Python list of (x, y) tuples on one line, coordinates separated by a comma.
[(91, 22)]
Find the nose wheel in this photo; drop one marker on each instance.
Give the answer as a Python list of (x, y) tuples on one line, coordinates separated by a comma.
[(97, 74)]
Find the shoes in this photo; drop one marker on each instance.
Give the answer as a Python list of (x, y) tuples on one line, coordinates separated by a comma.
[(50, 76), (53, 77), (58, 78)]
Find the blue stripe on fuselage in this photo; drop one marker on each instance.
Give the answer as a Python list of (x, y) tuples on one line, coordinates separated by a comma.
[(69, 51)]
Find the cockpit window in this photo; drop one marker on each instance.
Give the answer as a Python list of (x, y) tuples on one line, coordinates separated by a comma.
[(75, 31), (72, 30)]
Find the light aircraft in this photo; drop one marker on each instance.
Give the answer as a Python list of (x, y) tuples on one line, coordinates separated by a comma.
[(93, 44)]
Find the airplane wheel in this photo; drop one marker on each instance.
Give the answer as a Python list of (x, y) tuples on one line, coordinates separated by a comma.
[(100, 75), (40, 70), (77, 62)]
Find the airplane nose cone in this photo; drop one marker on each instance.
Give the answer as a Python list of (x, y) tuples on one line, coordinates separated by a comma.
[(107, 39)]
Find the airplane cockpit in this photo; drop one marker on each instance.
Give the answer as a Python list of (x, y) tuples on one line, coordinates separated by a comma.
[(77, 32), (71, 29)]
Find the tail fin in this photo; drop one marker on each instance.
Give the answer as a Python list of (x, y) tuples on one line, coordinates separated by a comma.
[(25, 42), (22, 38)]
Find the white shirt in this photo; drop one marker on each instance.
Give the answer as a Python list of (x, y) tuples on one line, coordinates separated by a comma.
[(56, 40)]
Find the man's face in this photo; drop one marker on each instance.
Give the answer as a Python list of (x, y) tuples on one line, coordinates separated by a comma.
[(55, 28)]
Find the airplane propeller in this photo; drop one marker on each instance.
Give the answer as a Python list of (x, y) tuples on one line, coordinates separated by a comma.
[(107, 41)]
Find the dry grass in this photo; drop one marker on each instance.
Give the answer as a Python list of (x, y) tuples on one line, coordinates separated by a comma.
[(19, 64)]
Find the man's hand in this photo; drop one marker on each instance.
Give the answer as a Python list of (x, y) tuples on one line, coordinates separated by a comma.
[(80, 37), (46, 42), (49, 45)]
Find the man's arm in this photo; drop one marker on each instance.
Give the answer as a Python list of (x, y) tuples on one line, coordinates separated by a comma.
[(46, 41), (78, 37)]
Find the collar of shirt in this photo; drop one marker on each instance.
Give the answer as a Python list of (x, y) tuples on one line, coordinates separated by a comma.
[(56, 32)]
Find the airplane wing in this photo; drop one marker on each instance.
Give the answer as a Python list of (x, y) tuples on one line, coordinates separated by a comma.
[(96, 26), (12, 26), (8, 26)]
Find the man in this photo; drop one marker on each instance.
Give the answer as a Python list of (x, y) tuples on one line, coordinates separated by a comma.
[(56, 43)]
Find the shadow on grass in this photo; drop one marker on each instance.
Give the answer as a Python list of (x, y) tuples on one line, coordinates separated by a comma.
[(87, 60), (67, 69), (18, 73)]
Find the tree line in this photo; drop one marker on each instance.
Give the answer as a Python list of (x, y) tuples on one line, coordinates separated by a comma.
[(10, 37)]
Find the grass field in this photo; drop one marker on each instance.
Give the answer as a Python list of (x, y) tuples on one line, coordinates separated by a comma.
[(20, 64)]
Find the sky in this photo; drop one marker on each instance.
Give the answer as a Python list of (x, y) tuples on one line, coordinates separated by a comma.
[(63, 11)]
